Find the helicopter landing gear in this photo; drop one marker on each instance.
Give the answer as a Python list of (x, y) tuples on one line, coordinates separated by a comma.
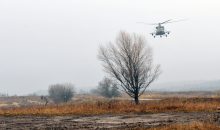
[(154, 36), (166, 35), (160, 36)]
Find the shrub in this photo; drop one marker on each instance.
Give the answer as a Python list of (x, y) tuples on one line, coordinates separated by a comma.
[(107, 88), (61, 92)]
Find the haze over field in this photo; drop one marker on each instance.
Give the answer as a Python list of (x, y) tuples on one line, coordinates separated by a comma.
[(54, 41)]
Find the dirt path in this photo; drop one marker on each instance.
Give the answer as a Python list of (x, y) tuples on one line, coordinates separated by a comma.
[(103, 121)]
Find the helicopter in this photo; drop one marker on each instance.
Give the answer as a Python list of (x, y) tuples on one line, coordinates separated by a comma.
[(160, 30)]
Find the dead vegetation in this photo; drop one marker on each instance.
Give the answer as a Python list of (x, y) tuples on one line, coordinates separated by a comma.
[(118, 107)]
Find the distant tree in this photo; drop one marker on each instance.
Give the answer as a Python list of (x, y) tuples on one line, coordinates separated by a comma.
[(129, 62), (107, 88), (61, 92)]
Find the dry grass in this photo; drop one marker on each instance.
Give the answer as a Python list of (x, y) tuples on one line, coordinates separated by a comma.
[(119, 107), (189, 126)]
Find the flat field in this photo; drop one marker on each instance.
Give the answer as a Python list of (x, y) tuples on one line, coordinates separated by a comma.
[(166, 113)]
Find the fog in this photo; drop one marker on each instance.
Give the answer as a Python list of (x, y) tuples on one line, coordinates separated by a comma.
[(44, 42)]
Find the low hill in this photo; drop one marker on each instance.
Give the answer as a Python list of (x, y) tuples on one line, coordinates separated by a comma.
[(187, 86)]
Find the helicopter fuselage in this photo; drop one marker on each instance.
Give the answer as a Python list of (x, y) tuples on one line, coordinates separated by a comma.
[(160, 31)]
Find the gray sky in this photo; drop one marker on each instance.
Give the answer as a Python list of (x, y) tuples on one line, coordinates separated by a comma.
[(43, 42)]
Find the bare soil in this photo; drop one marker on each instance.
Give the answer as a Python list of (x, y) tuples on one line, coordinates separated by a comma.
[(106, 122)]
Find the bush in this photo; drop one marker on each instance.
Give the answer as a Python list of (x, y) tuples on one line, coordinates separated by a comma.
[(107, 88), (61, 92)]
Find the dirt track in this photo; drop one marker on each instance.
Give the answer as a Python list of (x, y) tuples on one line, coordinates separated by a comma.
[(103, 121)]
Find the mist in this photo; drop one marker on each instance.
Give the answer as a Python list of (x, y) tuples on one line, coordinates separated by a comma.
[(53, 41)]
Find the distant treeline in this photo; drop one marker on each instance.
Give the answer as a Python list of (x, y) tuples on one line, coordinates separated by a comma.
[(3, 95)]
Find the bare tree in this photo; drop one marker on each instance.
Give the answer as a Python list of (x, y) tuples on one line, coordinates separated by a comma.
[(61, 92), (108, 88), (129, 62)]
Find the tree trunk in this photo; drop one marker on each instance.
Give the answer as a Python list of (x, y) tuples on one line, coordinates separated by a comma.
[(136, 99)]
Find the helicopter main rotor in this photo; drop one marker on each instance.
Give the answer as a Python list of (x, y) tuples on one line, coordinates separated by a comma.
[(165, 22)]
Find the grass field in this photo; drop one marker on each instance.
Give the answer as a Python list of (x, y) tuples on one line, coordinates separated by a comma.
[(171, 113), (119, 107)]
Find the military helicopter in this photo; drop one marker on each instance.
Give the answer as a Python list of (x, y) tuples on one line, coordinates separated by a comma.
[(160, 30)]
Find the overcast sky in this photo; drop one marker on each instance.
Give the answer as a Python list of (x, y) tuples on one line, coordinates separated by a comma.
[(44, 42)]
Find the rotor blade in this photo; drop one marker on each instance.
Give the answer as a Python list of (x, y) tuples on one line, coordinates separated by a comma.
[(147, 23), (166, 21), (177, 21)]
